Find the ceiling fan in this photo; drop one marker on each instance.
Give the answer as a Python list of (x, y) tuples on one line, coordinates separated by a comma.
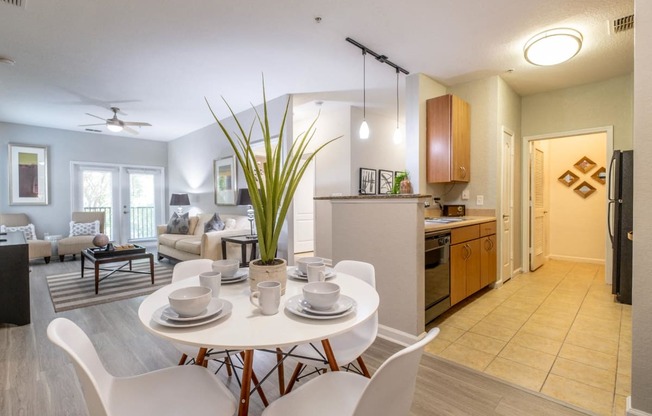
[(116, 125)]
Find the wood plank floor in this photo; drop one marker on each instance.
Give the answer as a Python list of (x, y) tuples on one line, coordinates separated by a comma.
[(36, 378)]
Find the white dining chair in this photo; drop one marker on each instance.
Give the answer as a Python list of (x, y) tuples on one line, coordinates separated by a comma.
[(170, 391), (349, 346), (388, 392)]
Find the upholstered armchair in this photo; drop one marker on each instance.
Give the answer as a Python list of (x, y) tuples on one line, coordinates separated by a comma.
[(74, 244), (36, 248)]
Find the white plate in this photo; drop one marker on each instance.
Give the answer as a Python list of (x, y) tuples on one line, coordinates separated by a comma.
[(238, 280), (293, 305), (343, 304), (294, 273), (214, 306), (156, 317), (237, 276)]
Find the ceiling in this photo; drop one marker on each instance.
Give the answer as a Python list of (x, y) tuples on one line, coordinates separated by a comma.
[(158, 59)]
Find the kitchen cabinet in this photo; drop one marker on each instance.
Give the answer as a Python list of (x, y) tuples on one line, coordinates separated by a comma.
[(448, 132), (472, 259), (14, 279)]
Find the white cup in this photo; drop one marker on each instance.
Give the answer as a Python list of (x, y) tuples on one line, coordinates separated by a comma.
[(316, 273), (303, 262), (212, 280), (268, 297)]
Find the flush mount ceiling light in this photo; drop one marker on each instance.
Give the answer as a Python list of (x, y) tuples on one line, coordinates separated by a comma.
[(553, 47)]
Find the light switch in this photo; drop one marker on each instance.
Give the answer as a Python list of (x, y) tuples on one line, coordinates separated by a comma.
[(479, 200), (465, 194)]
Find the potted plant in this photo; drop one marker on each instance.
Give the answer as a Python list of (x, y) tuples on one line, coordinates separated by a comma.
[(272, 186), (402, 184)]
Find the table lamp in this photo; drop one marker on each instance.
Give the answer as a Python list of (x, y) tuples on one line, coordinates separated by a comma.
[(245, 199), (180, 200)]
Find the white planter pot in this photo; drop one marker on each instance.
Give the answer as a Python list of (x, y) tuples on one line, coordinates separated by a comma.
[(261, 273)]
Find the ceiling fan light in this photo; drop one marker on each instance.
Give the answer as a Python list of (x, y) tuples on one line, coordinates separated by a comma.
[(553, 47), (116, 128), (364, 130)]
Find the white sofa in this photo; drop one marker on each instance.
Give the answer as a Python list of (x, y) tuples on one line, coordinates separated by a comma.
[(200, 245)]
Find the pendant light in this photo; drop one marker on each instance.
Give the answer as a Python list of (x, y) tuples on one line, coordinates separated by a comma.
[(364, 127), (397, 133)]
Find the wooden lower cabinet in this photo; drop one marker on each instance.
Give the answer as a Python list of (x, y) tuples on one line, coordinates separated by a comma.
[(465, 269), (488, 260)]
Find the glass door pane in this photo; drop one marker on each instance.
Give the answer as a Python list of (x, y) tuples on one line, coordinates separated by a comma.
[(142, 203), (98, 195)]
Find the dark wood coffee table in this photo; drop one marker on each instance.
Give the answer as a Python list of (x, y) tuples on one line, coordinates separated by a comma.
[(124, 258)]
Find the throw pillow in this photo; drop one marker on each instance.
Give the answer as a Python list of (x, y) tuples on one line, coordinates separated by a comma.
[(230, 224), (84, 228), (214, 224), (179, 224), (28, 230)]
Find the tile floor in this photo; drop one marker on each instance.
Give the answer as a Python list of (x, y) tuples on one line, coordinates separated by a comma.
[(556, 331)]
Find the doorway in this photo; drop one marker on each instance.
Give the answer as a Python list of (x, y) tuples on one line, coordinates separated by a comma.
[(564, 210), (304, 211), (131, 198), (507, 206)]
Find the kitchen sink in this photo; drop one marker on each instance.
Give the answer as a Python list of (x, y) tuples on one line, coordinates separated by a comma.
[(444, 220)]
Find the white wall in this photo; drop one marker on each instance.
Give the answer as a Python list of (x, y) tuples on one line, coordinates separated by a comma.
[(642, 284), (577, 225), (65, 146)]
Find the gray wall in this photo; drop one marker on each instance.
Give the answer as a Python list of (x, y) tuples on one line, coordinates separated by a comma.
[(63, 147)]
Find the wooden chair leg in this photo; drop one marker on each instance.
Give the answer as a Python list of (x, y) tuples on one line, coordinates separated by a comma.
[(281, 372), (293, 379), (227, 363), (363, 367), (183, 359), (254, 379)]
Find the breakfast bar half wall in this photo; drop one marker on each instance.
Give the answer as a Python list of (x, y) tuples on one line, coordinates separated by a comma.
[(388, 232)]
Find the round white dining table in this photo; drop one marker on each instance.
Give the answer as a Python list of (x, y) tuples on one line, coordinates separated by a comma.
[(245, 328)]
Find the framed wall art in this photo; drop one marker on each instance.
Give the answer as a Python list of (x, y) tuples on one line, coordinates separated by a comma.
[(367, 181), (226, 185), (600, 175), (28, 175), (584, 164), (385, 181), (568, 178)]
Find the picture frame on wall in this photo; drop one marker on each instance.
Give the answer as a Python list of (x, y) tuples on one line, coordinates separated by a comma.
[(385, 181), (367, 181), (225, 177), (28, 174)]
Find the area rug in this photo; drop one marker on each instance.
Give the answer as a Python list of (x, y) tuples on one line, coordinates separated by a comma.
[(70, 291)]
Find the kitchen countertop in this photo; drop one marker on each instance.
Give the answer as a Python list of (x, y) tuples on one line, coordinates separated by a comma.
[(468, 220)]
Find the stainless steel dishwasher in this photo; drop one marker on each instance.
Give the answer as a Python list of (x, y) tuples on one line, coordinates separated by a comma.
[(437, 274)]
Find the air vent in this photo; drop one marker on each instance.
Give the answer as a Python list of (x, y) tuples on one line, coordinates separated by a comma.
[(17, 3), (94, 130), (623, 24)]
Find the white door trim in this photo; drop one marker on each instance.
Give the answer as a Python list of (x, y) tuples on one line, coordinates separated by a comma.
[(509, 210), (525, 188)]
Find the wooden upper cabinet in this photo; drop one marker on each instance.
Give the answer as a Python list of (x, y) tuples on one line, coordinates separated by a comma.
[(448, 132)]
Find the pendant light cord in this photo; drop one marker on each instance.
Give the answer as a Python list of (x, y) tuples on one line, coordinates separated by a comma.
[(397, 98), (364, 84)]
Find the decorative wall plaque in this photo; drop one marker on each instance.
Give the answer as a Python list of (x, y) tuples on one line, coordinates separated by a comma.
[(584, 189), (600, 175), (568, 178), (585, 164)]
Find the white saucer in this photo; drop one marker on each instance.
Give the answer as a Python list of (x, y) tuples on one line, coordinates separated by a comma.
[(159, 319), (241, 278), (343, 304), (237, 276), (214, 307), (293, 305), (294, 273)]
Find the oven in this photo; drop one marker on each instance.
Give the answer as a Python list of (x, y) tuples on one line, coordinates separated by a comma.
[(437, 273)]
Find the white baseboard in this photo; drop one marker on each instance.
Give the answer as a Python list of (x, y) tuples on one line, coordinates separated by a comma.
[(634, 412), (396, 336), (577, 259)]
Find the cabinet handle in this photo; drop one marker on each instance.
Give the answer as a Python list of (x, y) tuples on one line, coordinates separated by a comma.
[(463, 169), (487, 244)]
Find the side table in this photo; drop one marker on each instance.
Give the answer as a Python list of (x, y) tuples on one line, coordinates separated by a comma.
[(243, 240), (54, 240)]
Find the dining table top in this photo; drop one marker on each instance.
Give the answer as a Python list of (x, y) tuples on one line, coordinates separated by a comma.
[(247, 328)]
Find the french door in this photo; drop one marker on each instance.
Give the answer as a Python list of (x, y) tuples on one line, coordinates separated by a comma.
[(131, 198)]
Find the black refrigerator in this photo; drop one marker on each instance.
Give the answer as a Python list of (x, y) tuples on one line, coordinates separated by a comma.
[(620, 221)]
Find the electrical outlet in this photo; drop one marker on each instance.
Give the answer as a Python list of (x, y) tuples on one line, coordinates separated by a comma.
[(479, 200), (465, 194)]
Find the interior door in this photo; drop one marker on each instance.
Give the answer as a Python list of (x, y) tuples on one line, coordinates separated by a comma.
[(537, 207), (304, 212), (507, 207)]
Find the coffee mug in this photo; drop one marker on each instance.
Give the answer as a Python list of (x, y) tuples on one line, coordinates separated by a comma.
[(316, 272), (212, 280), (268, 297)]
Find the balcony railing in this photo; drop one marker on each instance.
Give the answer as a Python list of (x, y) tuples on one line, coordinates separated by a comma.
[(142, 224)]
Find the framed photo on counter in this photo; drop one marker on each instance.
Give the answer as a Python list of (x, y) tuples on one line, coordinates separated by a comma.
[(367, 181)]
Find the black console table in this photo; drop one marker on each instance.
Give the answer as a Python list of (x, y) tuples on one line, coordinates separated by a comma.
[(14, 279)]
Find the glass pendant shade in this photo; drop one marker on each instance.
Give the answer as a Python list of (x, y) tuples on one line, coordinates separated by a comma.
[(553, 47), (398, 138), (364, 130)]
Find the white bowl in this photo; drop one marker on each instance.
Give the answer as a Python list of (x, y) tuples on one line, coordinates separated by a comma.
[(321, 295), (190, 301), (303, 262), (228, 268)]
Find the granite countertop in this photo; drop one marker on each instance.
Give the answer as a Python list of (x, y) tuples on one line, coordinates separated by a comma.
[(382, 196), (468, 220)]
